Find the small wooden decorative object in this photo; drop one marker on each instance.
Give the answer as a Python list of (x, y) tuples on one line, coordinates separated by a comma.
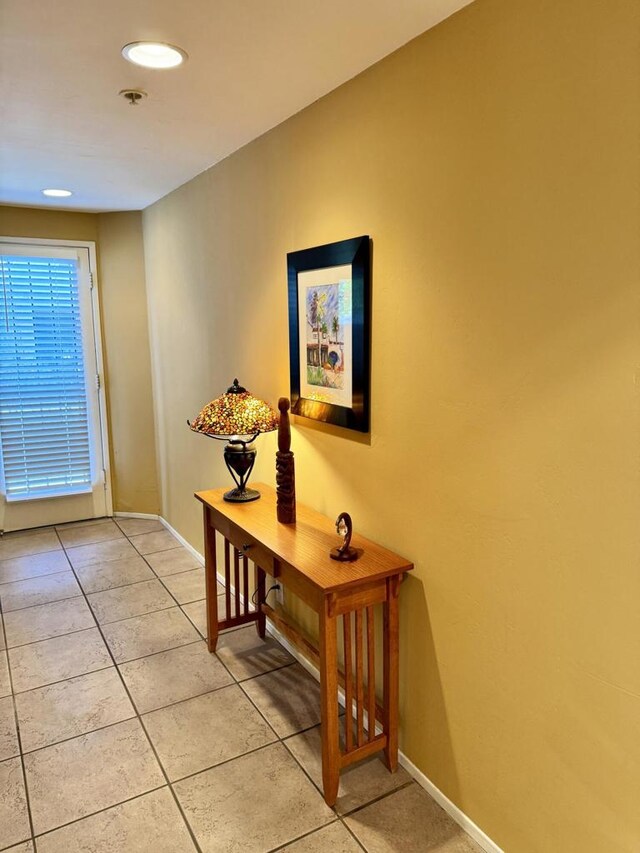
[(345, 553), (285, 468)]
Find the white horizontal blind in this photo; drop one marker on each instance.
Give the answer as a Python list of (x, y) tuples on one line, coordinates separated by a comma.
[(44, 429)]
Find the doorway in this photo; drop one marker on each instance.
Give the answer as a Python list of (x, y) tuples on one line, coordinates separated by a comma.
[(53, 429)]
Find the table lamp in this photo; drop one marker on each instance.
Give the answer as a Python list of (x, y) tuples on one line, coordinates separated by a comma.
[(239, 418)]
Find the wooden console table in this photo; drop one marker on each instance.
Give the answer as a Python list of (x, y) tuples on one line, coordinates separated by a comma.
[(297, 556)]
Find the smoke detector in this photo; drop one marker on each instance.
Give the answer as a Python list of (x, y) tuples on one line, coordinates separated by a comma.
[(133, 96)]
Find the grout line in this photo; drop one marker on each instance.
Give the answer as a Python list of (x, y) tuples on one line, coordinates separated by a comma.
[(303, 768), (184, 571), (29, 554), (168, 591), (119, 586), (60, 680), (161, 652), (143, 516), (264, 675), (242, 681), (93, 814), (377, 799), (206, 769), (223, 632), (142, 726), (71, 548), (137, 616), (308, 775), (64, 634), (82, 522), (150, 553), (43, 603), (17, 725), (288, 844), (168, 649), (125, 518), (278, 739), (23, 532), (73, 545), (36, 577), (186, 699), (198, 639), (281, 740), (184, 603), (164, 773), (126, 618), (132, 716), (235, 681), (83, 594), (339, 820), (352, 834), (169, 574), (173, 793)]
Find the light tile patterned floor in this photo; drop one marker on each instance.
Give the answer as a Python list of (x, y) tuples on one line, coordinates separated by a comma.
[(120, 732)]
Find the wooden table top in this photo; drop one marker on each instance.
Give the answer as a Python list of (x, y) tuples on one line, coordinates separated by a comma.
[(306, 544)]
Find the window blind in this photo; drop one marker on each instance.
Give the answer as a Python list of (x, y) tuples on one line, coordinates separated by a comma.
[(44, 429)]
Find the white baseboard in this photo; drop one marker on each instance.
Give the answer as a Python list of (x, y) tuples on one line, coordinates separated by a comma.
[(182, 541), (463, 821)]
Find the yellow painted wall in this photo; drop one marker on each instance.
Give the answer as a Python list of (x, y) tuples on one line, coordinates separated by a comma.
[(128, 365), (495, 163), (118, 237), (44, 224)]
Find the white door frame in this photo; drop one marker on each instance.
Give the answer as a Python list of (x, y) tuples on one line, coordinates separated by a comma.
[(90, 247)]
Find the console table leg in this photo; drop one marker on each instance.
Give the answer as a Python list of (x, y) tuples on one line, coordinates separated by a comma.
[(390, 671), (329, 706), (211, 582), (261, 621)]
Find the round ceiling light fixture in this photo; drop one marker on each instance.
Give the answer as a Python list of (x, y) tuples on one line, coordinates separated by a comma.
[(57, 193), (154, 54)]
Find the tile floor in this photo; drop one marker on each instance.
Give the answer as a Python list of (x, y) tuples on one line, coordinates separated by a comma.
[(120, 732)]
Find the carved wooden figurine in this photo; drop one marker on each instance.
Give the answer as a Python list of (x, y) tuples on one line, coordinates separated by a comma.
[(345, 553), (285, 468)]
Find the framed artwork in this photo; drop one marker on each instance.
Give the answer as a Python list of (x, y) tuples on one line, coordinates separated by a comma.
[(329, 332)]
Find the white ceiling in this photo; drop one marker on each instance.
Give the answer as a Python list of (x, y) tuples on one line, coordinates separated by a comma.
[(252, 64)]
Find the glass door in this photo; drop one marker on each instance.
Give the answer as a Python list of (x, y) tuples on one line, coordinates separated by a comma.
[(53, 462)]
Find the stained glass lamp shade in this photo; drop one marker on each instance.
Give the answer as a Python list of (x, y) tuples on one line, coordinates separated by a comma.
[(239, 418)]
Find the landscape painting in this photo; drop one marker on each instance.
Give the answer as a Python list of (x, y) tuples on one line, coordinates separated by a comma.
[(325, 337), (325, 340)]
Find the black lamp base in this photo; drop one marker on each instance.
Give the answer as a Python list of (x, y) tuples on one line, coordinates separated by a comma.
[(240, 459), (241, 496)]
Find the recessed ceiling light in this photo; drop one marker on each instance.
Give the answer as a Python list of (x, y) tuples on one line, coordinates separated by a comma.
[(153, 54), (57, 193)]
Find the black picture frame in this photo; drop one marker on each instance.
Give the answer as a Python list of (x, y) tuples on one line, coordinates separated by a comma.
[(338, 356)]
